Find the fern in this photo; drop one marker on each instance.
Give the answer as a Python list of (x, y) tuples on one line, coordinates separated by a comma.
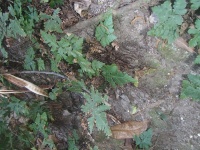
[(3, 20), (195, 4), (195, 41), (54, 3), (191, 87), (115, 77), (96, 106), (96, 66), (144, 139), (68, 48), (40, 125), (54, 65), (52, 23), (21, 24), (169, 20), (72, 141), (105, 31), (3, 51), (18, 106), (197, 60), (29, 63), (40, 64), (14, 29)]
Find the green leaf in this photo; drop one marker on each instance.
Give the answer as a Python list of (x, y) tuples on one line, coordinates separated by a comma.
[(197, 60), (195, 41), (95, 106), (40, 64), (144, 139), (29, 63), (53, 22), (40, 124), (195, 4), (54, 66), (76, 86), (54, 3), (44, 1), (104, 31), (49, 39), (115, 77), (96, 66), (15, 29), (191, 87), (169, 20), (179, 7), (3, 20), (85, 65), (18, 106), (54, 93), (4, 53)]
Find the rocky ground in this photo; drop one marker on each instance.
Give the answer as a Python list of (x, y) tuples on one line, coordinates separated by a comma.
[(159, 69)]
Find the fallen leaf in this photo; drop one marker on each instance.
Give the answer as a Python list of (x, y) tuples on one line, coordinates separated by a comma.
[(23, 83), (129, 129), (181, 43)]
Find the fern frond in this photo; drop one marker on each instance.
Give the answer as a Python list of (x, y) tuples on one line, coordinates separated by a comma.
[(115, 77), (95, 106)]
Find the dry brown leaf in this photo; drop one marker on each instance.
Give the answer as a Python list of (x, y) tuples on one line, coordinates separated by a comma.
[(23, 83), (181, 43), (129, 129)]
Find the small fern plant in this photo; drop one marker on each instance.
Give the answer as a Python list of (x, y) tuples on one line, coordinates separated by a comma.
[(169, 20), (104, 31), (95, 107), (195, 32), (14, 23), (143, 141), (195, 4), (191, 87)]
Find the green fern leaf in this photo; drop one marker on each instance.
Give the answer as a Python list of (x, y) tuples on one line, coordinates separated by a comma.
[(54, 66), (195, 41), (197, 60), (53, 22), (179, 7), (195, 4), (144, 139), (115, 77), (49, 39), (191, 87), (14, 29), (96, 66), (54, 3), (4, 53), (29, 63), (95, 106), (40, 64), (85, 65), (104, 31), (3, 20), (169, 20), (18, 106)]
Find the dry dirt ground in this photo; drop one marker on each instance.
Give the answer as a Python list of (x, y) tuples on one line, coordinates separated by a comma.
[(160, 70)]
